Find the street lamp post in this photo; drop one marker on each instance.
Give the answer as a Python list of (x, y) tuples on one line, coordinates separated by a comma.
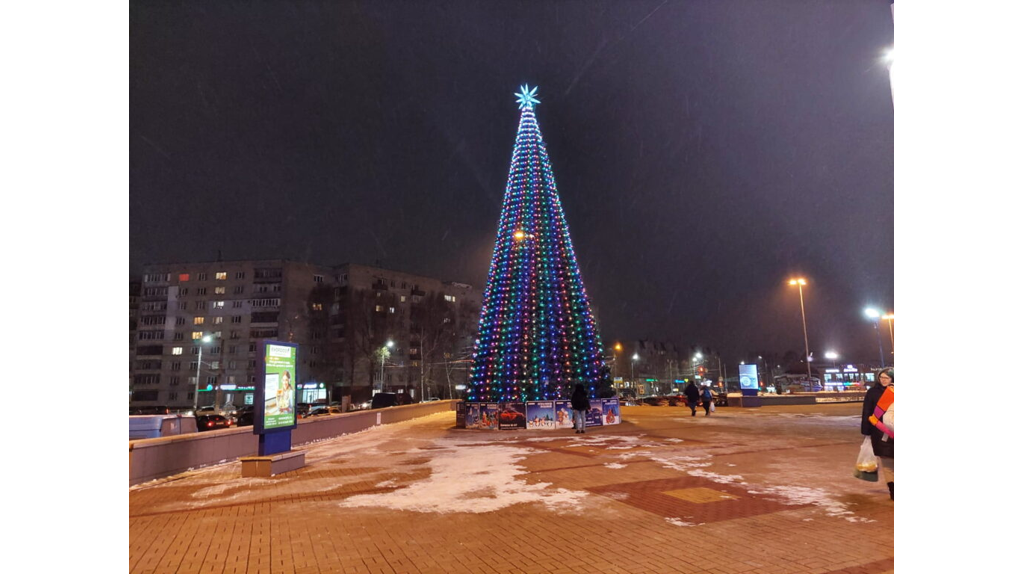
[(632, 376), (199, 366), (892, 339), (800, 282), (385, 352), (876, 316)]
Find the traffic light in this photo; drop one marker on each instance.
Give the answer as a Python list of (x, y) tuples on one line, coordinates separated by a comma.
[(700, 371)]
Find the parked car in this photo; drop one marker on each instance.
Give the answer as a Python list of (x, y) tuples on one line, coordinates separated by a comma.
[(207, 422), (302, 409), (244, 416), (384, 400), (322, 410)]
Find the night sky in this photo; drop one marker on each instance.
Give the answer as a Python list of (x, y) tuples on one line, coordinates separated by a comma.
[(705, 151)]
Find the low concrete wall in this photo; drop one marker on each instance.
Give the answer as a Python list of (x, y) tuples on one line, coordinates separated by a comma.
[(768, 400), (150, 459)]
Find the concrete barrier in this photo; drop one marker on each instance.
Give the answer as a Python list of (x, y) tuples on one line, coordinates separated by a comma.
[(149, 459)]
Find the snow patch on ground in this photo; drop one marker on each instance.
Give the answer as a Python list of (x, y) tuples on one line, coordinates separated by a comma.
[(475, 480), (815, 496), (719, 478), (679, 522), (683, 463), (614, 465), (222, 487)]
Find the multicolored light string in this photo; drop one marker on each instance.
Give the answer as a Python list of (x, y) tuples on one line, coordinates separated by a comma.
[(537, 336)]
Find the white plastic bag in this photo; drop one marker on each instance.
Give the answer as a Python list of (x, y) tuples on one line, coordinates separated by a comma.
[(712, 406), (866, 467)]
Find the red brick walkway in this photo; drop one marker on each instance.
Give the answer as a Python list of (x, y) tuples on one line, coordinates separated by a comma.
[(757, 491)]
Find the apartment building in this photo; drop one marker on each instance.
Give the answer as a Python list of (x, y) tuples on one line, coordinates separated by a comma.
[(341, 317)]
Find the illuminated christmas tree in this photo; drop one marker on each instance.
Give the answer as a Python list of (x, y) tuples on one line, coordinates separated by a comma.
[(537, 336)]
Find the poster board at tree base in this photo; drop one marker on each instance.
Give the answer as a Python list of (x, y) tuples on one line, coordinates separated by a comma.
[(563, 414), (610, 408), (540, 415), (512, 416), (488, 416), (460, 415), (534, 415)]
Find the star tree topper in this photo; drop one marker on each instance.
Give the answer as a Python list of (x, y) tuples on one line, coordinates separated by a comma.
[(527, 97)]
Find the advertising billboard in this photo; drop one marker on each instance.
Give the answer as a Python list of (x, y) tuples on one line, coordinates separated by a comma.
[(748, 377), (277, 388), (563, 414), (611, 411), (540, 414), (512, 416)]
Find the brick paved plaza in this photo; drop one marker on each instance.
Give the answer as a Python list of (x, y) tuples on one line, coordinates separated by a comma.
[(766, 490)]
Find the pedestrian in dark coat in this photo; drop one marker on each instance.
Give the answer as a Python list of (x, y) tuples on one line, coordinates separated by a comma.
[(580, 406), (692, 397), (873, 425)]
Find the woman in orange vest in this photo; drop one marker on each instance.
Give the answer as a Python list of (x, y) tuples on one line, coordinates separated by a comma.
[(877, 422)]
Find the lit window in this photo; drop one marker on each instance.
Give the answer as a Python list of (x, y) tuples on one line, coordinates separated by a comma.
[(403, 298), (196, 335), (198, 320), (183, 277), (449, 298), (318, 307), (391, 309), (176, 351), (218, 304), (378, 308), (222, 276), (220, 290), (218, 320)]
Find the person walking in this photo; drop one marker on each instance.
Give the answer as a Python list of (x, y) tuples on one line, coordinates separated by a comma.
[(692, 397), (877, 422), (580, 406), (708, 398)]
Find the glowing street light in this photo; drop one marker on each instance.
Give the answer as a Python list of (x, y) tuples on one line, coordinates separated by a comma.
[(385, 352), (199, 365), (872, 313), (800, 282)]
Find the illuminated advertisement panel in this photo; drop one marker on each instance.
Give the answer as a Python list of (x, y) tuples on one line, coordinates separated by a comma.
[(277, 389), (748, 377)]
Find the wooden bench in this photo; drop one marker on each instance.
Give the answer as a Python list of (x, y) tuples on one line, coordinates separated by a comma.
[(273, 464)]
